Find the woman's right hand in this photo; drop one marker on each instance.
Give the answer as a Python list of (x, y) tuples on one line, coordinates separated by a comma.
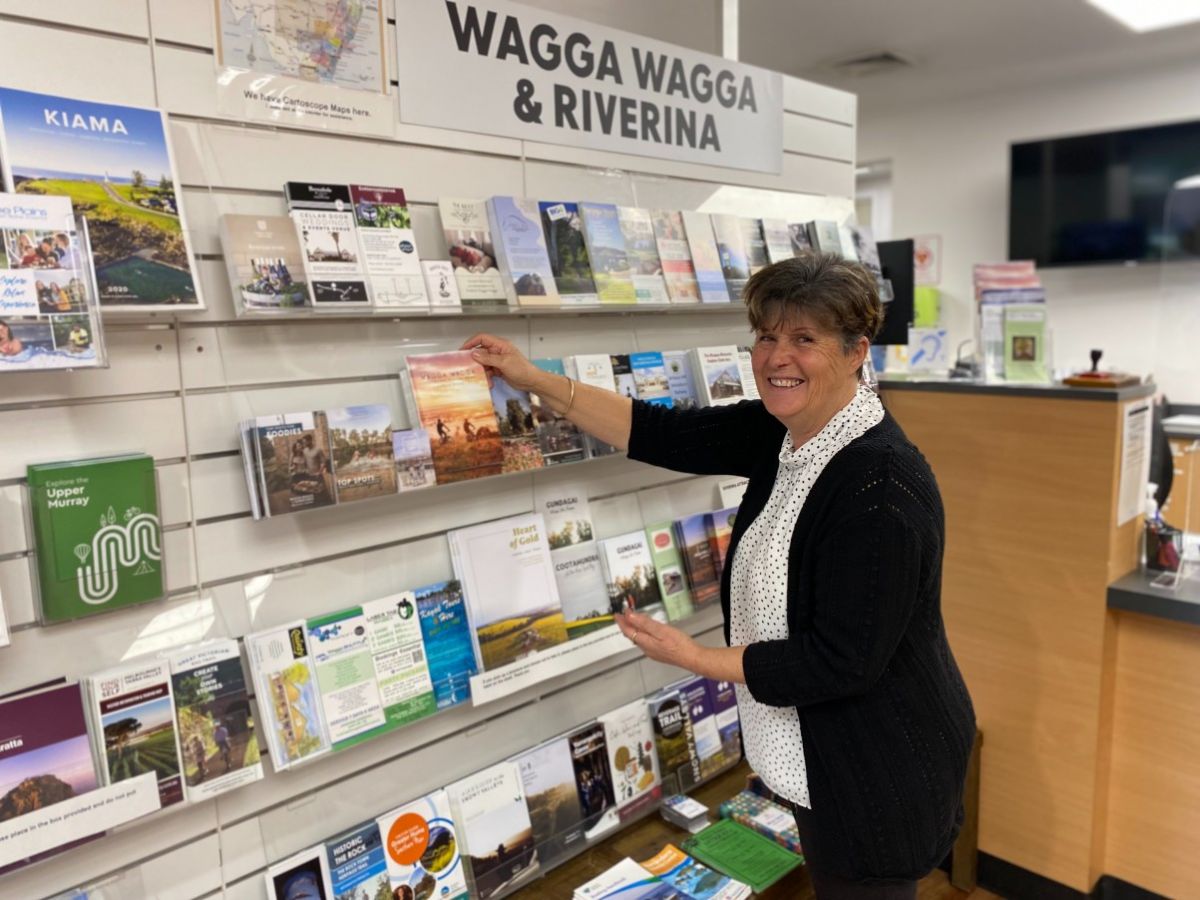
[(501, 357)]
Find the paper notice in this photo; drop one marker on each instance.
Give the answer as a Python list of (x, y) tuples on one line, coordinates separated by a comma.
[(1135, 459)]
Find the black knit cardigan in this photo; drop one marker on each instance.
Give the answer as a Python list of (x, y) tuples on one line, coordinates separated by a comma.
[(885, 716)]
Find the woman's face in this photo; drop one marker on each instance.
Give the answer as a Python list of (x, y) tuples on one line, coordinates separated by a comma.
[(803, 373)]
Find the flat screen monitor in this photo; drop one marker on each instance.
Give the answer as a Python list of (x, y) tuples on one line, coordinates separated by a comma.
[(1117, 197)]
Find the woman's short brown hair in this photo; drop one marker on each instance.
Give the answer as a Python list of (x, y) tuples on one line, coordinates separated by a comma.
[(839, 295)]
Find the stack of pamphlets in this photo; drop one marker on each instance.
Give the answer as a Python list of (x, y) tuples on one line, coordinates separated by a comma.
[(768, 818), (693, 879), (681, 810)]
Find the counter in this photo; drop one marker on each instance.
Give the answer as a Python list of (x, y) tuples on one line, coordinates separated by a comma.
[(1134, 593), (1063, 686)]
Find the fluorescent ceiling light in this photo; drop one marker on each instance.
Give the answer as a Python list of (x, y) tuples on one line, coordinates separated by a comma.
[(1150, 15)]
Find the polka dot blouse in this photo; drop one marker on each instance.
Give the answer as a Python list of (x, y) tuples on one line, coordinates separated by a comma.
[(758, 591)]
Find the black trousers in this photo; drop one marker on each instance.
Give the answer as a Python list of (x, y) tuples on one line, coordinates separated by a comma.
[(829, 886)]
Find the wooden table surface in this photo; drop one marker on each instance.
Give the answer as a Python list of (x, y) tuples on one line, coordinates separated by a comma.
[(645, 838)]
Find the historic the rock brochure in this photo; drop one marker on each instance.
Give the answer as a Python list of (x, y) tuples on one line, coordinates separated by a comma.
[(345, 669), (678, 364), (629, 574), (521, 252), (494, 827), (718, 374), (422, 850), (518, 614), (449, 649), (607, 253), (629, 738), (97, 536), (650, 377), (304, 876), (288, 700), (49, 318), (212, 710), (115, 164), (472, 252), (265, 263), (357, 864), (678, 271), (294, 468), (45, 753), (389, 248), (454, 405), (731, 245), (560, 440), (669, 570), (414, 459), (593, 780), (641, 248), (398, 651), (691, 533), (518, 428), (777, 239), (548, 777), (324, 222), (706, 258), (360, 441), (132, 715), (566, 250)]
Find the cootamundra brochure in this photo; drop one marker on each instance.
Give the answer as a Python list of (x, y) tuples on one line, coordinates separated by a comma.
[(266, 269), (133, 725), (455, 407), (97, 535), (548, 777), (518, 614), (493, 824), (567, 251), (212, 710), (448, 645), (389, 247), (49, 317), (422, 849), (472, 251), (641, 248), (576, 559), (288, 700), (341, 654), (115, 164), (606, 249), (629, 738), (398, 650)]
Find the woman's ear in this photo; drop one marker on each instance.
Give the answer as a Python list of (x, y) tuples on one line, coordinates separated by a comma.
[(858, 354)]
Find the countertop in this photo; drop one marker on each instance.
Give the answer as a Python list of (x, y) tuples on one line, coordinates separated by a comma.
[(1047, 391), (1133, 593)]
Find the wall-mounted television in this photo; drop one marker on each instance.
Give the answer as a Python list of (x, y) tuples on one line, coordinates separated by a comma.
[(1117, 197)]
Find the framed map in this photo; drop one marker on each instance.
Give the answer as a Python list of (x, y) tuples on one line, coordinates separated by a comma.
[(339, 43)]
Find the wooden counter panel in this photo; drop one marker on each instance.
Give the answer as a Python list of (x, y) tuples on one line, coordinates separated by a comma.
[(1028, 489), (1154, 794)]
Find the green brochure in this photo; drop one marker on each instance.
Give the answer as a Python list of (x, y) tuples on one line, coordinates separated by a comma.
[(742, 854)]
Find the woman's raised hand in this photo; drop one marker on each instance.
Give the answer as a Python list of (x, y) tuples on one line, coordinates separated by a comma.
[(501, 357)]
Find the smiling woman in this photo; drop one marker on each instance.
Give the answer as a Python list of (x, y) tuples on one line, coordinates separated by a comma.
[(853, 709)]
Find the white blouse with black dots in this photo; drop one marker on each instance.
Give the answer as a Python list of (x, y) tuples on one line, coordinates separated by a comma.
[(758, 591)]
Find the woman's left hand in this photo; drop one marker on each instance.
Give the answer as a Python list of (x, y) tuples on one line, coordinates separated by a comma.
[(659, 641)]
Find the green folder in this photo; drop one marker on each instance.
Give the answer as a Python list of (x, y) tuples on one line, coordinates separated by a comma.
[(742, 854)]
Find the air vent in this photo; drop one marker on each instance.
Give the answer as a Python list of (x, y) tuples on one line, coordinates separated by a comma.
[(863, 64)]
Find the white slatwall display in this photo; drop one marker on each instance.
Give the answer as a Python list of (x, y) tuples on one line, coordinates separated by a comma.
[(179, 384)]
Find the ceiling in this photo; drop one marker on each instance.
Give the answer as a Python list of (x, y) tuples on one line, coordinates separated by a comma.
[(958, 47)]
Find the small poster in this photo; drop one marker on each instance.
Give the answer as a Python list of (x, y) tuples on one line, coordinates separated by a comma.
[(927, 259)]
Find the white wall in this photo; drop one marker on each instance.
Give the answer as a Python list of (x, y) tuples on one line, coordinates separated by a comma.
[(950, 177), (178, 385)]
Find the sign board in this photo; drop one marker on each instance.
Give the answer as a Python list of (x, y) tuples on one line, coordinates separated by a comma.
[(496, 67)]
